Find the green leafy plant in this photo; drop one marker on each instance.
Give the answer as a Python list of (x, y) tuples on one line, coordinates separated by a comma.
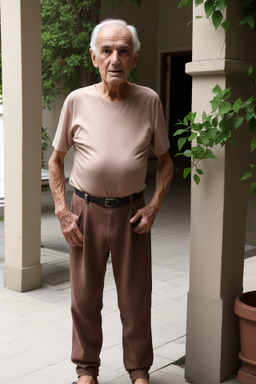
[(214, 9), (44, 146), (217, 128)]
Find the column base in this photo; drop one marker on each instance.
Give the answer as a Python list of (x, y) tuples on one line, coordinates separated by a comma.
[(24, 279)]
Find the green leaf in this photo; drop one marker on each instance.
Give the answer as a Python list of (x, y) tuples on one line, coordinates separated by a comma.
[(209, 155), (199, 171), (192, 136), (221, 4), (217, 89), (209, 7), (248, 19), (191, 117), (250, 115), (224, 107), (232, 141), (248, 102), (215, 121), (246, 176), (225, 94), (187, 153), (238, 121), (217, 18), (196, 179), (253, 144), (250, 70), (214, 105), (185, 2), (186, 172), (198, 2), (197, 152), (179, 132), (185, 121), (225, 25), (237, 104), (252, 189), (181, 142)]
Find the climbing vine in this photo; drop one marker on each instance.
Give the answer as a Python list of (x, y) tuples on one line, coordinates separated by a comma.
[(226, 115), (214, 9), (217, 128)]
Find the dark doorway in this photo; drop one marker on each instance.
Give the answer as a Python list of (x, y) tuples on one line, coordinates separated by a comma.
[(176, 89)]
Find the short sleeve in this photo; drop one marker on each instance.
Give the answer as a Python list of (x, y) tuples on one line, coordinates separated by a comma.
[(63, 139), (160, 141)]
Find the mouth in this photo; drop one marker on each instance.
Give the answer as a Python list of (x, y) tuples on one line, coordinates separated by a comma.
[(115, 71)]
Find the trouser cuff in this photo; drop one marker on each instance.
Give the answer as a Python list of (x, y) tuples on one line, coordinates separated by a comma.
[(138, 374), (87, 371)]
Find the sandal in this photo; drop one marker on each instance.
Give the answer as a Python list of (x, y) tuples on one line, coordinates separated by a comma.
[(95, 379)]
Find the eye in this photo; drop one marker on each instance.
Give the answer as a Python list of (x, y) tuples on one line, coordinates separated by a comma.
[(106, 51), (123, 52)]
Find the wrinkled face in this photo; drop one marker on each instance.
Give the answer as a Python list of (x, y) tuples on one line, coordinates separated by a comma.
[(114, 57)]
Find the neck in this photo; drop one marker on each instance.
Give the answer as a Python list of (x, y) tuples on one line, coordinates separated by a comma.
[(114, 93)]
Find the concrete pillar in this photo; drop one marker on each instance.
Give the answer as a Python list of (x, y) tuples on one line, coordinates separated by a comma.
[(218, 207), (21, 54)]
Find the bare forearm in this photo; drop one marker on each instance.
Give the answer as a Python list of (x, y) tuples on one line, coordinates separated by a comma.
[(57, 184), (67, 219)]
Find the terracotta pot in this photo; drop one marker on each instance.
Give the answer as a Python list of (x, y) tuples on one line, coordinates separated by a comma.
[(245, 308)]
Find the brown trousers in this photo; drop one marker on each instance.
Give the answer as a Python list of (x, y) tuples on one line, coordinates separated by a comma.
[(104, 230)]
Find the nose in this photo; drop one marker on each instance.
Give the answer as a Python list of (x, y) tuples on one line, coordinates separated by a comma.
[(115, 58)]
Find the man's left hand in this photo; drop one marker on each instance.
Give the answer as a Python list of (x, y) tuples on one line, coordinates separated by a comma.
[(145, 217)]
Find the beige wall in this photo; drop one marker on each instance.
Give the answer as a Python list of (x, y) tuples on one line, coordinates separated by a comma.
[(174, 33)]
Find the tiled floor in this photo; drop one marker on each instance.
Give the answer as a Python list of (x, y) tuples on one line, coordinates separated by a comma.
[(35, 327)]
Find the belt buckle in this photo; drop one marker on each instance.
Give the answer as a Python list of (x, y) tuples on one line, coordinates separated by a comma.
[(111, 202)]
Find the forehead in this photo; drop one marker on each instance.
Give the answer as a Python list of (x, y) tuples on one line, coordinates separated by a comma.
[(114, 34)]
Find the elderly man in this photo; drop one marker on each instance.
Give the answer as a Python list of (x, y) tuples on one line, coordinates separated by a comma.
[(111, 125)]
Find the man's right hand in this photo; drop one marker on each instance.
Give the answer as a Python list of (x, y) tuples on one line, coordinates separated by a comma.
[(69, 228)]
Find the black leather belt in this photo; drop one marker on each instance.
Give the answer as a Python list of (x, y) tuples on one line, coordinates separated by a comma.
[(108, 202)]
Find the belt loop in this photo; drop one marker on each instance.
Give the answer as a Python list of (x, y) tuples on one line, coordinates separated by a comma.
[(86, 198)]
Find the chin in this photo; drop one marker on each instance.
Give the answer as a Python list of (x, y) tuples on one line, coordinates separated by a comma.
[(116, 81)]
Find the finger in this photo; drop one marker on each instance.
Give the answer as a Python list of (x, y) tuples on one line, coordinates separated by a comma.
[(144, 226), (74, 241), (136, 217), (140, 228)]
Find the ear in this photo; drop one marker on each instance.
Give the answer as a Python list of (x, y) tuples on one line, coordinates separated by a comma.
[(93, 57), (135, 60)]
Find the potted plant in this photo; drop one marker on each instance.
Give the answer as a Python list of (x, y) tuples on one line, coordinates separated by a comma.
[(245, 308)]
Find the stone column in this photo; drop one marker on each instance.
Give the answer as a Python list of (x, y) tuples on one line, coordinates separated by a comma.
[(218, 206), (21, 54)]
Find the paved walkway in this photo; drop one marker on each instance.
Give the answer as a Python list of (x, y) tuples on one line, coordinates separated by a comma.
[(35, 327)]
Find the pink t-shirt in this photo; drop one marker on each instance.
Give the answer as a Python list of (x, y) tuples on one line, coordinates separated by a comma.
[(111, 139)]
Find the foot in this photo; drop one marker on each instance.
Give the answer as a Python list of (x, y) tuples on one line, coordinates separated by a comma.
[(141, 381), (86, 379)]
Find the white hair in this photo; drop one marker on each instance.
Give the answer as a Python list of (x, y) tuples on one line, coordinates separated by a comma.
[(131, 28)]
